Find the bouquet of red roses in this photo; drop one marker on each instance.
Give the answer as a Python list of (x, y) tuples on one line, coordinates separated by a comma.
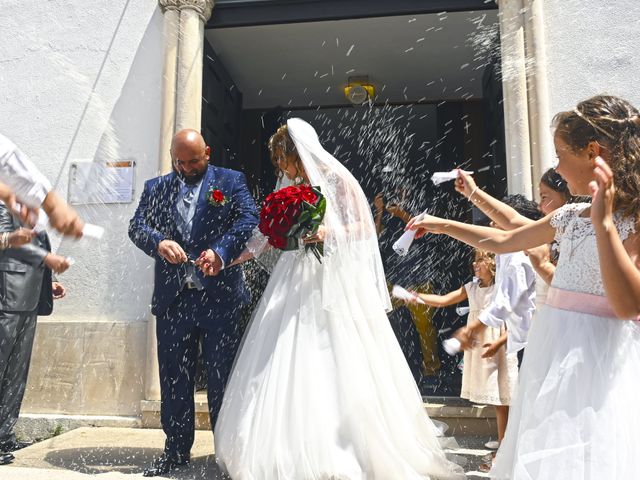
[(291, 213)]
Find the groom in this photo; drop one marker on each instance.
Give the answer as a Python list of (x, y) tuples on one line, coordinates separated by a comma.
[(197, 208)]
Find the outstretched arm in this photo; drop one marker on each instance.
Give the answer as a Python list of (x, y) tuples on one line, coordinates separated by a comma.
[(619, 263), (445, 300), (487, 238), (502, 214), (245, 256)]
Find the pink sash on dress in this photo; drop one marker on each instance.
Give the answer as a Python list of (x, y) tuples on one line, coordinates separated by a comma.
[(580, 302)]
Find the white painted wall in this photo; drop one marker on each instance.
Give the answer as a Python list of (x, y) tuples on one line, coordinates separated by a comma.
[(81, 80), (592, 48)]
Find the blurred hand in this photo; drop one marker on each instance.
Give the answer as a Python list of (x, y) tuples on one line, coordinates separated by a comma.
[(7, 196), (602, 194), (490, 349), (464, 183), (26, 214), (398, 211), (61, 216), (414, 299), (468, 336), (317, 237), (58, 290), (172, 252), (57, 263), (425, 223), (209, 262), (378, 202), (20, 237)]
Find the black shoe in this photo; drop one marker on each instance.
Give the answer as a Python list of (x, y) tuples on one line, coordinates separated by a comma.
[(14, 445), (6, 458), (164, 464)]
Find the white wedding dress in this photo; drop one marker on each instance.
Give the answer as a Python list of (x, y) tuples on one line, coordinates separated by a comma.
[(320, 388), (575, 416)]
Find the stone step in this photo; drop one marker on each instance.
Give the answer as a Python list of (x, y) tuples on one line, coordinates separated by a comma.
[(462, 417)]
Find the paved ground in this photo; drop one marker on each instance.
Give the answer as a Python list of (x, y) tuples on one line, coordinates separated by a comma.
[(122, 453)]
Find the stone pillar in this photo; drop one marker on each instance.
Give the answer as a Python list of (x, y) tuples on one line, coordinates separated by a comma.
[(171, 35), (542, 152), (193, 16), (514, 86), (183, 34), (184, 22)]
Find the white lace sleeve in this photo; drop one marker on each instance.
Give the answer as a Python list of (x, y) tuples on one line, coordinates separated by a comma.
[(625, 226), (262, 252), (563, 216)]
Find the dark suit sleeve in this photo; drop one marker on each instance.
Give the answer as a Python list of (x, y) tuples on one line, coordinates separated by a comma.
[(28, 253), (231, 244), (141, 234)]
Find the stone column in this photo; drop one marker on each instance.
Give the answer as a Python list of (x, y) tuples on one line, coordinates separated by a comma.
[(183, 34), (514, 86), (542, 152), (193, 16), (184, 22), (171, 34)]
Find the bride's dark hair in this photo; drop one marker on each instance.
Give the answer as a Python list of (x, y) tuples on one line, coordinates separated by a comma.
[(281, 145)]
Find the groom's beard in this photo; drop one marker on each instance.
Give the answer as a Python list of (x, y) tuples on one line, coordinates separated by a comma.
[(192, 178)]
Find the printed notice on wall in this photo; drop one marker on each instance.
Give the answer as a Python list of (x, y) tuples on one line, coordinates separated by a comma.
[(101, 182)]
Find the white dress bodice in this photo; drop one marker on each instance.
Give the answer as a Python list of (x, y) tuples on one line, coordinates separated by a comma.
[(578, 268)]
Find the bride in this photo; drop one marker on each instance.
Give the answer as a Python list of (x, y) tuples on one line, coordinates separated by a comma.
[(320, 388)]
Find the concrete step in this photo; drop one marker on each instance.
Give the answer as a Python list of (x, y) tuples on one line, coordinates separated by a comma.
[(463, 418)]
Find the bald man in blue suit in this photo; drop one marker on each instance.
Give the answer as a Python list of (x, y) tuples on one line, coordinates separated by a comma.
[(177, 221)]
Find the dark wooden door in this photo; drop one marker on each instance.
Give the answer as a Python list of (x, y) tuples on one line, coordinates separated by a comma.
[(221, 110)]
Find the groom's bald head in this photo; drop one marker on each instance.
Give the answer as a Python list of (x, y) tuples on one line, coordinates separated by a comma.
[(190, 155)]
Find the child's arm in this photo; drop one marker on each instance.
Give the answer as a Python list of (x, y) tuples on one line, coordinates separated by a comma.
[(619, 263), (541, 262), (486, 238), (450, 298), (378, 202), (510, 293), (502, 214), (492, 348)]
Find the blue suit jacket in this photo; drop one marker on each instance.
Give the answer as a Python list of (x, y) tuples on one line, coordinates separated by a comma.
[(224, 229)]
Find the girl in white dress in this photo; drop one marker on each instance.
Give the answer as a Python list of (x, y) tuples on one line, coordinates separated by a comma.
[(489, 374), (320, 388), (575, 414)]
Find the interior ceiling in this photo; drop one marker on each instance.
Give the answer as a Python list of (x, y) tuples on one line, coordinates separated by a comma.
[(407, 58)]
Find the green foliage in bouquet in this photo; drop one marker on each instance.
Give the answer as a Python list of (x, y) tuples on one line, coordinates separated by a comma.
[(307, 224)]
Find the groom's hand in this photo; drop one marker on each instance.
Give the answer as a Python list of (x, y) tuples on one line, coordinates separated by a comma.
[(209, 262), (172, 252)]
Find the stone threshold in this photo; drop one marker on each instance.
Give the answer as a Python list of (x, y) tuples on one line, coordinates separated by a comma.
[(462, 417)]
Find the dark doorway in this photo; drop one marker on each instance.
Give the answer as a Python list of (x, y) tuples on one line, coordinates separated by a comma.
[(392, 145)]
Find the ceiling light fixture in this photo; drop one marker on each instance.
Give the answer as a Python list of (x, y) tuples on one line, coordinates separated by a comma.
[(359, 90)]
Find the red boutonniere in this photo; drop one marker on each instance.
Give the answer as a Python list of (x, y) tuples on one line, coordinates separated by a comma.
[(216, 198)]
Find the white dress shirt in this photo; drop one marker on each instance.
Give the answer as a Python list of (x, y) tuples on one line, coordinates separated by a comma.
[(20, 174), (513, 301)]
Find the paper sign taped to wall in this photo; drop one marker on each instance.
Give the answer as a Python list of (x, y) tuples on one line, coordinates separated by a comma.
[(101, 182)]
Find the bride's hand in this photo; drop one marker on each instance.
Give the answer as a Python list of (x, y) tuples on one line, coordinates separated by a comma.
[(424, 224), (317, 237), (602, 194)]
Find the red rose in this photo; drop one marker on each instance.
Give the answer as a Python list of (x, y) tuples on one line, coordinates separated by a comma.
[(309, 196), (218, 196), (281, 210)]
